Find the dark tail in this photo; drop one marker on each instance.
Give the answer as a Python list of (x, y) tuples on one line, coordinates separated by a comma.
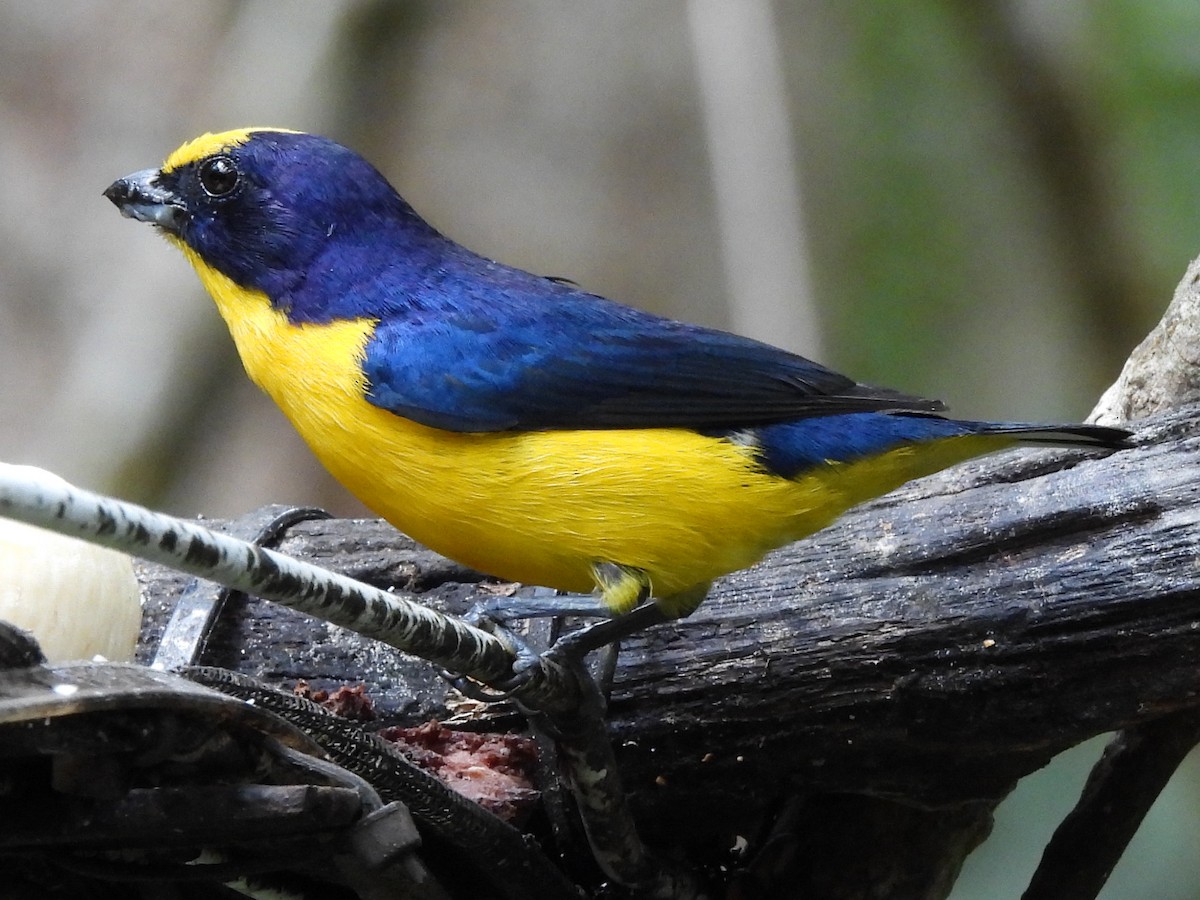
[(1061, 435)]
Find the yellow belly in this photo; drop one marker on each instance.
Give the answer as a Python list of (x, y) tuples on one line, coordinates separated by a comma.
[(544, 507)]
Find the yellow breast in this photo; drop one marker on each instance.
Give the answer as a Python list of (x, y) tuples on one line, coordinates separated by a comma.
[(542, 507)]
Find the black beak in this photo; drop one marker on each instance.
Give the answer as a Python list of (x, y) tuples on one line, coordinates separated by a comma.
[(141, 196)]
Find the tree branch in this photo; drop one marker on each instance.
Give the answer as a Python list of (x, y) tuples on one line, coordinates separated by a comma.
[(885, 682), (931, 649)]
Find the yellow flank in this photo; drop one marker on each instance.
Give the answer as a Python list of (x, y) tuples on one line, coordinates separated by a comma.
[(208, 144), (544, 507)]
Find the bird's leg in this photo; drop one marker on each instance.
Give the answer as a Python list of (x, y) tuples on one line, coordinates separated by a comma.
[(575, 732), (624, 588), (621, 589), (607, 633), (611, 632), (543, 611), (537, 603)]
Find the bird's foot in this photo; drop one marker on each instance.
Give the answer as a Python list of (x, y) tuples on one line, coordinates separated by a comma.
[(542, 611), (577, 644), (536, 603), (545, 611)]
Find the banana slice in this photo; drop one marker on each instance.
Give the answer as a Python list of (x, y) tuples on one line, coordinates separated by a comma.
[(79, 600)]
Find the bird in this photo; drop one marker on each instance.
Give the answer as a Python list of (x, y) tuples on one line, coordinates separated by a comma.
[(517, 423)]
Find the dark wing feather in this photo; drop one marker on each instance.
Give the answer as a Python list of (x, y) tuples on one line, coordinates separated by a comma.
[(561, 359)]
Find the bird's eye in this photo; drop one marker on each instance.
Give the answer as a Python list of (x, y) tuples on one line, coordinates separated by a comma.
[(218, 176)]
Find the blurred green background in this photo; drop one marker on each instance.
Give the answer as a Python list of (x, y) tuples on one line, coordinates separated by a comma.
[(988, 202)]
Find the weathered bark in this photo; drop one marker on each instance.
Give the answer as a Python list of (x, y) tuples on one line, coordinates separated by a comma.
[(932, 648), (887, 680)]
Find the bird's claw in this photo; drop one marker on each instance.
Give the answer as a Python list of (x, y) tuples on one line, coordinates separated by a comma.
[(525, 662), (545, 607)]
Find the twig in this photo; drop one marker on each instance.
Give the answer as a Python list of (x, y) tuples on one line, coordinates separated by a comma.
[(196, 612), (556, 690), (38, 498), (1122, 786)]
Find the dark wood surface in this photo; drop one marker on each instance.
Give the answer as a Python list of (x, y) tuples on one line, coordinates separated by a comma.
[(930, 649), (856, 705)]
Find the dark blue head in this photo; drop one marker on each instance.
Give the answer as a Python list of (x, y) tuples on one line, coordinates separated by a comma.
[(273, 210)]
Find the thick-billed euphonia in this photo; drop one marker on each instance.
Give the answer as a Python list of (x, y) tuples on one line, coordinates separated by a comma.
[(517, 423)]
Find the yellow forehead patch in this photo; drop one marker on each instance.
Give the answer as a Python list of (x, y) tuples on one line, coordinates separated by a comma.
[(208, 144)]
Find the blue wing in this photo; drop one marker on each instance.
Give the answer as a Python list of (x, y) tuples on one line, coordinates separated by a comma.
[(512, 351)]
